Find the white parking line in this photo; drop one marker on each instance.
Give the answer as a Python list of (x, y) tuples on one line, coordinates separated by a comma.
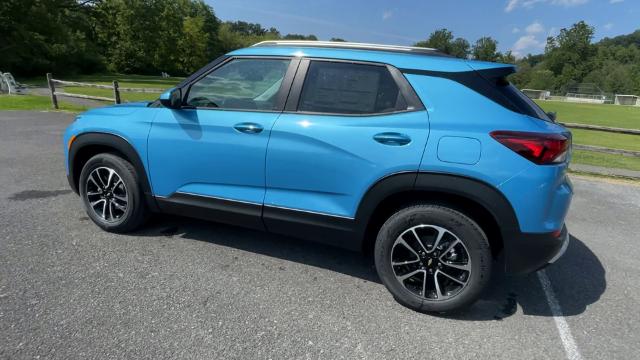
[(568, 342)]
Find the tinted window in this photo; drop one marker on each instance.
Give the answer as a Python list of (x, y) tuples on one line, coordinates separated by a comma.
[(246, 84), (492, 83), (522, 103), (344, 88)]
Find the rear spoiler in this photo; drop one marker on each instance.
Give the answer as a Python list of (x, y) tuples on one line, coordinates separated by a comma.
[(484, 81)]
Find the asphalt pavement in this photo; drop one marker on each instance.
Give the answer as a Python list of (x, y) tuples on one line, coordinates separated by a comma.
[(182, 288)]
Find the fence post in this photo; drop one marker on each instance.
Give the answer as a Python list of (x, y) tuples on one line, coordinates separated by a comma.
[(116, 91), (52, 89)]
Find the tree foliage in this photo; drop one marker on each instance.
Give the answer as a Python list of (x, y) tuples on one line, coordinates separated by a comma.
[(299, 37), (460, 48), (47, 35), (440, 39), (134, 40), (127, 36), (180, 36), (486, 49), (571, 58)]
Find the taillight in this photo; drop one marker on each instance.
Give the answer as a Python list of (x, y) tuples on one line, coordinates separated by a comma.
[(539, 148)]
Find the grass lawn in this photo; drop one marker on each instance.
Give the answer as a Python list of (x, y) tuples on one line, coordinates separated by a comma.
[(606, 139), (595, 114), (605, 160), (35, 102), (605, 115)]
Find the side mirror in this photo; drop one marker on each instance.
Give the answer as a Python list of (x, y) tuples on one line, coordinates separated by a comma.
[(552, 115), (172, 98)]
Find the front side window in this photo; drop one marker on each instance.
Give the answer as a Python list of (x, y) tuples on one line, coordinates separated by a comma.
[(242, 84), (344, 88)]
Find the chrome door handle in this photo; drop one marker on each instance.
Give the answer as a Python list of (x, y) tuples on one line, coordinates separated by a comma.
[(248, 127), (392, 139)]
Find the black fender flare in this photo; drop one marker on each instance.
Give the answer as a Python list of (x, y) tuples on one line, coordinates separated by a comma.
[(117, 143), (378, 192), (477, 191)]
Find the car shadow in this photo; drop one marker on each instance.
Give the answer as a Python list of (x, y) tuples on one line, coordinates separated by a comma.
[(578, 278), (291, 249)]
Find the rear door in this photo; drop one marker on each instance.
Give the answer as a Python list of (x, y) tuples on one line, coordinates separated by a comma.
[(345, 126)]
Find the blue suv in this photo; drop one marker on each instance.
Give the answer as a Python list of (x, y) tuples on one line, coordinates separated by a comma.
[(433, 164)]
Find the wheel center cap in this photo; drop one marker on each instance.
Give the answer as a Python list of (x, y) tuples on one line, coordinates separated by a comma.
[(429, 262)]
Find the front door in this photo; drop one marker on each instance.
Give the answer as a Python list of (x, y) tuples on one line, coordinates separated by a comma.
[(212, 152)]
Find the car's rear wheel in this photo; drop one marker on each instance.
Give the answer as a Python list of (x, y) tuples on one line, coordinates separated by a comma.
[(433, 258), (111, 194)]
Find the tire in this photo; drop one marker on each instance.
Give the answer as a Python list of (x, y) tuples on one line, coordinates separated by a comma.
[(122, 215), (395, 262)]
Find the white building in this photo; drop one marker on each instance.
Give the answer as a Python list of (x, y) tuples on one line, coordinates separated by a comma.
[(626, 100)]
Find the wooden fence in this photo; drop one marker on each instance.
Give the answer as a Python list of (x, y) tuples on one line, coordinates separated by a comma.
[(602, 128), (601, 149), (115, 87)]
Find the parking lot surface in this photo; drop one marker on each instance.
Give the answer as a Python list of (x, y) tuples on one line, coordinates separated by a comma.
[(183, 288)]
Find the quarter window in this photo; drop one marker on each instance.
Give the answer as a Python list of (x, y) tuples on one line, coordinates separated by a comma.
[(345, 88), (520, 101), (243, 84)]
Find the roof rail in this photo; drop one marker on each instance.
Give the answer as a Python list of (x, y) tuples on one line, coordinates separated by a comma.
[(352, 45)]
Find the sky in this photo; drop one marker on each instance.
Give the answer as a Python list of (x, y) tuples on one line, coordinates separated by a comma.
[(519, 25)]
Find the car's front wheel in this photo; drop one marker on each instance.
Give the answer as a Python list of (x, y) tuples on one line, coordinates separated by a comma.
[(433, 258), (111, 195)]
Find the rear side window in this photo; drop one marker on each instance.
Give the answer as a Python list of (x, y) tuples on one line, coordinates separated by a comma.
[(345, 88), (521, 102)]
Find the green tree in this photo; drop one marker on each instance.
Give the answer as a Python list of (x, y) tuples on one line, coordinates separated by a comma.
[(541, 79), (619, 78), (299, 37), (229, 39), (443, 40), (623, 40), (150, 36), (506, 58), (179, 36), (522, 77), (568, 53), (247, 29), (460, 48), (37, 36), (193, 45), (440, 39), (486, 49)]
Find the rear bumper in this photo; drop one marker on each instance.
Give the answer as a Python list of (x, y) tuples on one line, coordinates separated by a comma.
[(528, 252)]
